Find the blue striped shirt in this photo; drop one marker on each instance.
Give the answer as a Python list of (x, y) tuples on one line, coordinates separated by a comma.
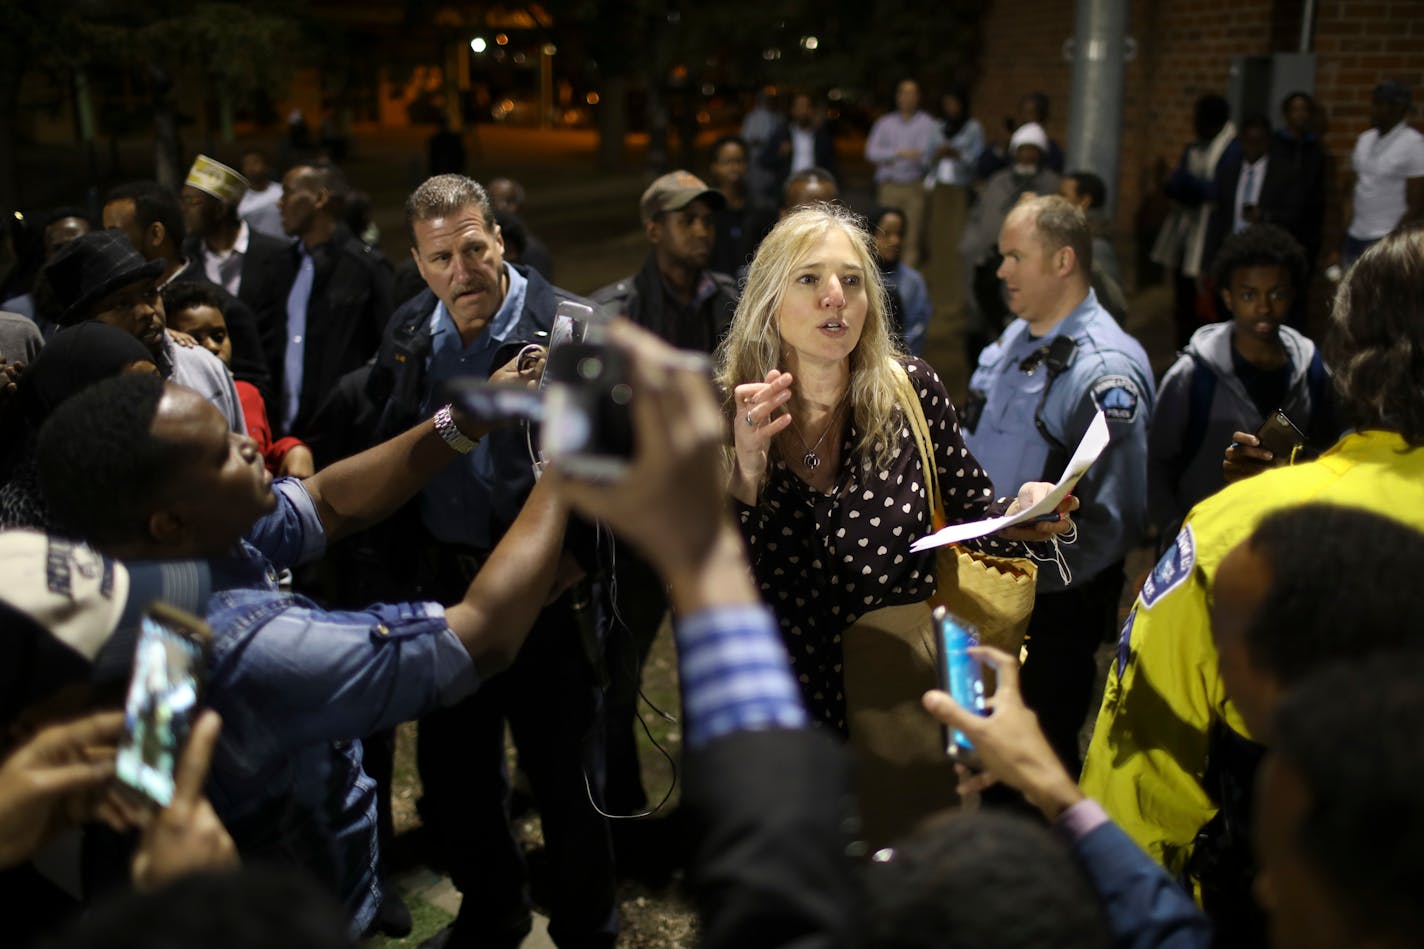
[(735, 674)]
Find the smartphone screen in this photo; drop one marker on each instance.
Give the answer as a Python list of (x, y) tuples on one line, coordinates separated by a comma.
[(960, 674), (573, 323), (162, 702)]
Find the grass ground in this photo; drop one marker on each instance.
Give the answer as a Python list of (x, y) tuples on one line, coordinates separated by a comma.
[(652, 916)]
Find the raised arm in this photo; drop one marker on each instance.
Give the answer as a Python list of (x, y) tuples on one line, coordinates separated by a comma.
[(510, 590), (359, 491)]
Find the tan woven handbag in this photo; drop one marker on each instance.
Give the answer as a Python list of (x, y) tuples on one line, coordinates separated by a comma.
[(902, 773), (993, 593)]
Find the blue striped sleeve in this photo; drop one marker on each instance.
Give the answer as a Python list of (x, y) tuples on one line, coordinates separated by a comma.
[(735, 674)]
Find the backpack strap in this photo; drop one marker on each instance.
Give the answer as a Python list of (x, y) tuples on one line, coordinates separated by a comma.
[(1199, 396), (1315, 378)]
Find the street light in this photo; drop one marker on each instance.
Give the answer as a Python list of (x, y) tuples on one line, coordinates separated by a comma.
[(809, 43), (478, 44)]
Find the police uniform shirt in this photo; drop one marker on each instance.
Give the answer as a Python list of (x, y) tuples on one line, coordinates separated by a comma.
[(459, 503), (1107, 370)]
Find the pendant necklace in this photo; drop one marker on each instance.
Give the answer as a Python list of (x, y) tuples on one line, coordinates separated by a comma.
[(811, 460)]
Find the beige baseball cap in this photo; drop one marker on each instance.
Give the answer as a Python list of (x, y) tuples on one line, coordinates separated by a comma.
[(675, 191)]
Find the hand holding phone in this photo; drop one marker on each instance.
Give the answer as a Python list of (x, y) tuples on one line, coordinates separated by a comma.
[(170, 664), (187, 836), (1008, 742), (1280, 437)]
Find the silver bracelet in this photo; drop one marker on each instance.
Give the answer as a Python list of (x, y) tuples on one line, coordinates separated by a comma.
[(456, 439)]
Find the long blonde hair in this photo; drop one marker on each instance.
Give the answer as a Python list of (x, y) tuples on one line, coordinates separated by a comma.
[(753, 346)]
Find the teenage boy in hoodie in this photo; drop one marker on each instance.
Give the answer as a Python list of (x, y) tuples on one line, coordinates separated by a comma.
[(1234, 374)]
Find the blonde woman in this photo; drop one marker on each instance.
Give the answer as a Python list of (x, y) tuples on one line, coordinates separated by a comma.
[(824, 470)]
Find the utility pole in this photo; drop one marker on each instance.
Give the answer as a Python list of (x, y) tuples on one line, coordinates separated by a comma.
[(1099, 54)]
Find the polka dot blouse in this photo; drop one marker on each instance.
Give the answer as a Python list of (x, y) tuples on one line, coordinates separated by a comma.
[(824, 560)]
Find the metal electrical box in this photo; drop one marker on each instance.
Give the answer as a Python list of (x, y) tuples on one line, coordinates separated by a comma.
[(1258, 84)]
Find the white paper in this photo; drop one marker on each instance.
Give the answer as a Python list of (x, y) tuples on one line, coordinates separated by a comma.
[(1095, 439)]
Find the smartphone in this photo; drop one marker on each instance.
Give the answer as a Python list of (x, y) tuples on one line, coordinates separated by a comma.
[(170, 663), (959, 674), (588, 428), (574, 323), (1280, 437)]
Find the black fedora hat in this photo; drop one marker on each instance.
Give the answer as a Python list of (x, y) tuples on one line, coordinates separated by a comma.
[(90, 267)]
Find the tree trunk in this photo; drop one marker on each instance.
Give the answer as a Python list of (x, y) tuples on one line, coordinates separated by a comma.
[(612, 123), (11, 72), (687, 123), (657, 159), (9, 193), (167, 162)]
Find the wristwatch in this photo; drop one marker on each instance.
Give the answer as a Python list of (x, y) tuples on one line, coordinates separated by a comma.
[(456, 439)]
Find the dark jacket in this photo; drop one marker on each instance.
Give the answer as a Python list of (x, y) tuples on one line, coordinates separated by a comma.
[(1307, 160), (771, 156), (349, 306), (267, 272), (770, 868), (1281, 202), (643, 299), (739, 232)]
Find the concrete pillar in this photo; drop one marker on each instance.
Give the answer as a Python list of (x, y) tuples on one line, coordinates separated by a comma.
[(1095, 112)]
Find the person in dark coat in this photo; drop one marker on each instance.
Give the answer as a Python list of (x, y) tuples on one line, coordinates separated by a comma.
[(1255, 184), (336, 306), (803, 142), (677, 298), (250, 265)]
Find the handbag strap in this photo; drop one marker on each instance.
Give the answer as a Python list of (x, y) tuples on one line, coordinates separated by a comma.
[(920, 427)]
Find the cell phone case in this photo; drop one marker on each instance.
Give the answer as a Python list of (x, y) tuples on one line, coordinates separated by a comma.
[(1280, 437)]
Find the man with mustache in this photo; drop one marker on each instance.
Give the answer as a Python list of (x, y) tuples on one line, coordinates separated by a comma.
[(475, 305)]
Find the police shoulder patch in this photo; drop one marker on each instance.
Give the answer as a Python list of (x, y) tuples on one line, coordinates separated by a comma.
[(1118, 397), (1175, 566)]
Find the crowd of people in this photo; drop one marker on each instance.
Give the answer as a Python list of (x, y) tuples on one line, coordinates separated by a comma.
[(225, 399)]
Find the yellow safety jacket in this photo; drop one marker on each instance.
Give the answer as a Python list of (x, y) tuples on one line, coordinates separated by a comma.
[(1149, 749)]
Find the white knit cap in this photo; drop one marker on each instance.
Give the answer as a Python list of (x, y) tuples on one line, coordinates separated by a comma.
[(1030, 133)]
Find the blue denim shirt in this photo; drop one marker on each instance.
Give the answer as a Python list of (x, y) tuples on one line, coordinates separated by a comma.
[(297, 686)]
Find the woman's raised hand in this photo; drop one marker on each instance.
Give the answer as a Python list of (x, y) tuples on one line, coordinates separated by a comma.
[(754, 428)]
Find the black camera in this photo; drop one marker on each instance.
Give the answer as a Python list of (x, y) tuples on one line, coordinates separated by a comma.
[(581, 403), (588, 428)]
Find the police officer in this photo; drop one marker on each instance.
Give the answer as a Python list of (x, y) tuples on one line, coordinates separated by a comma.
[(1032, 397)]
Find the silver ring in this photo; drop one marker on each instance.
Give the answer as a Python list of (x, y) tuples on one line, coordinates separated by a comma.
[(751, 423)]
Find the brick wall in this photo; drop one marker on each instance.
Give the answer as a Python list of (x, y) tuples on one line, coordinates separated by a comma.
[(1184, 50)]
